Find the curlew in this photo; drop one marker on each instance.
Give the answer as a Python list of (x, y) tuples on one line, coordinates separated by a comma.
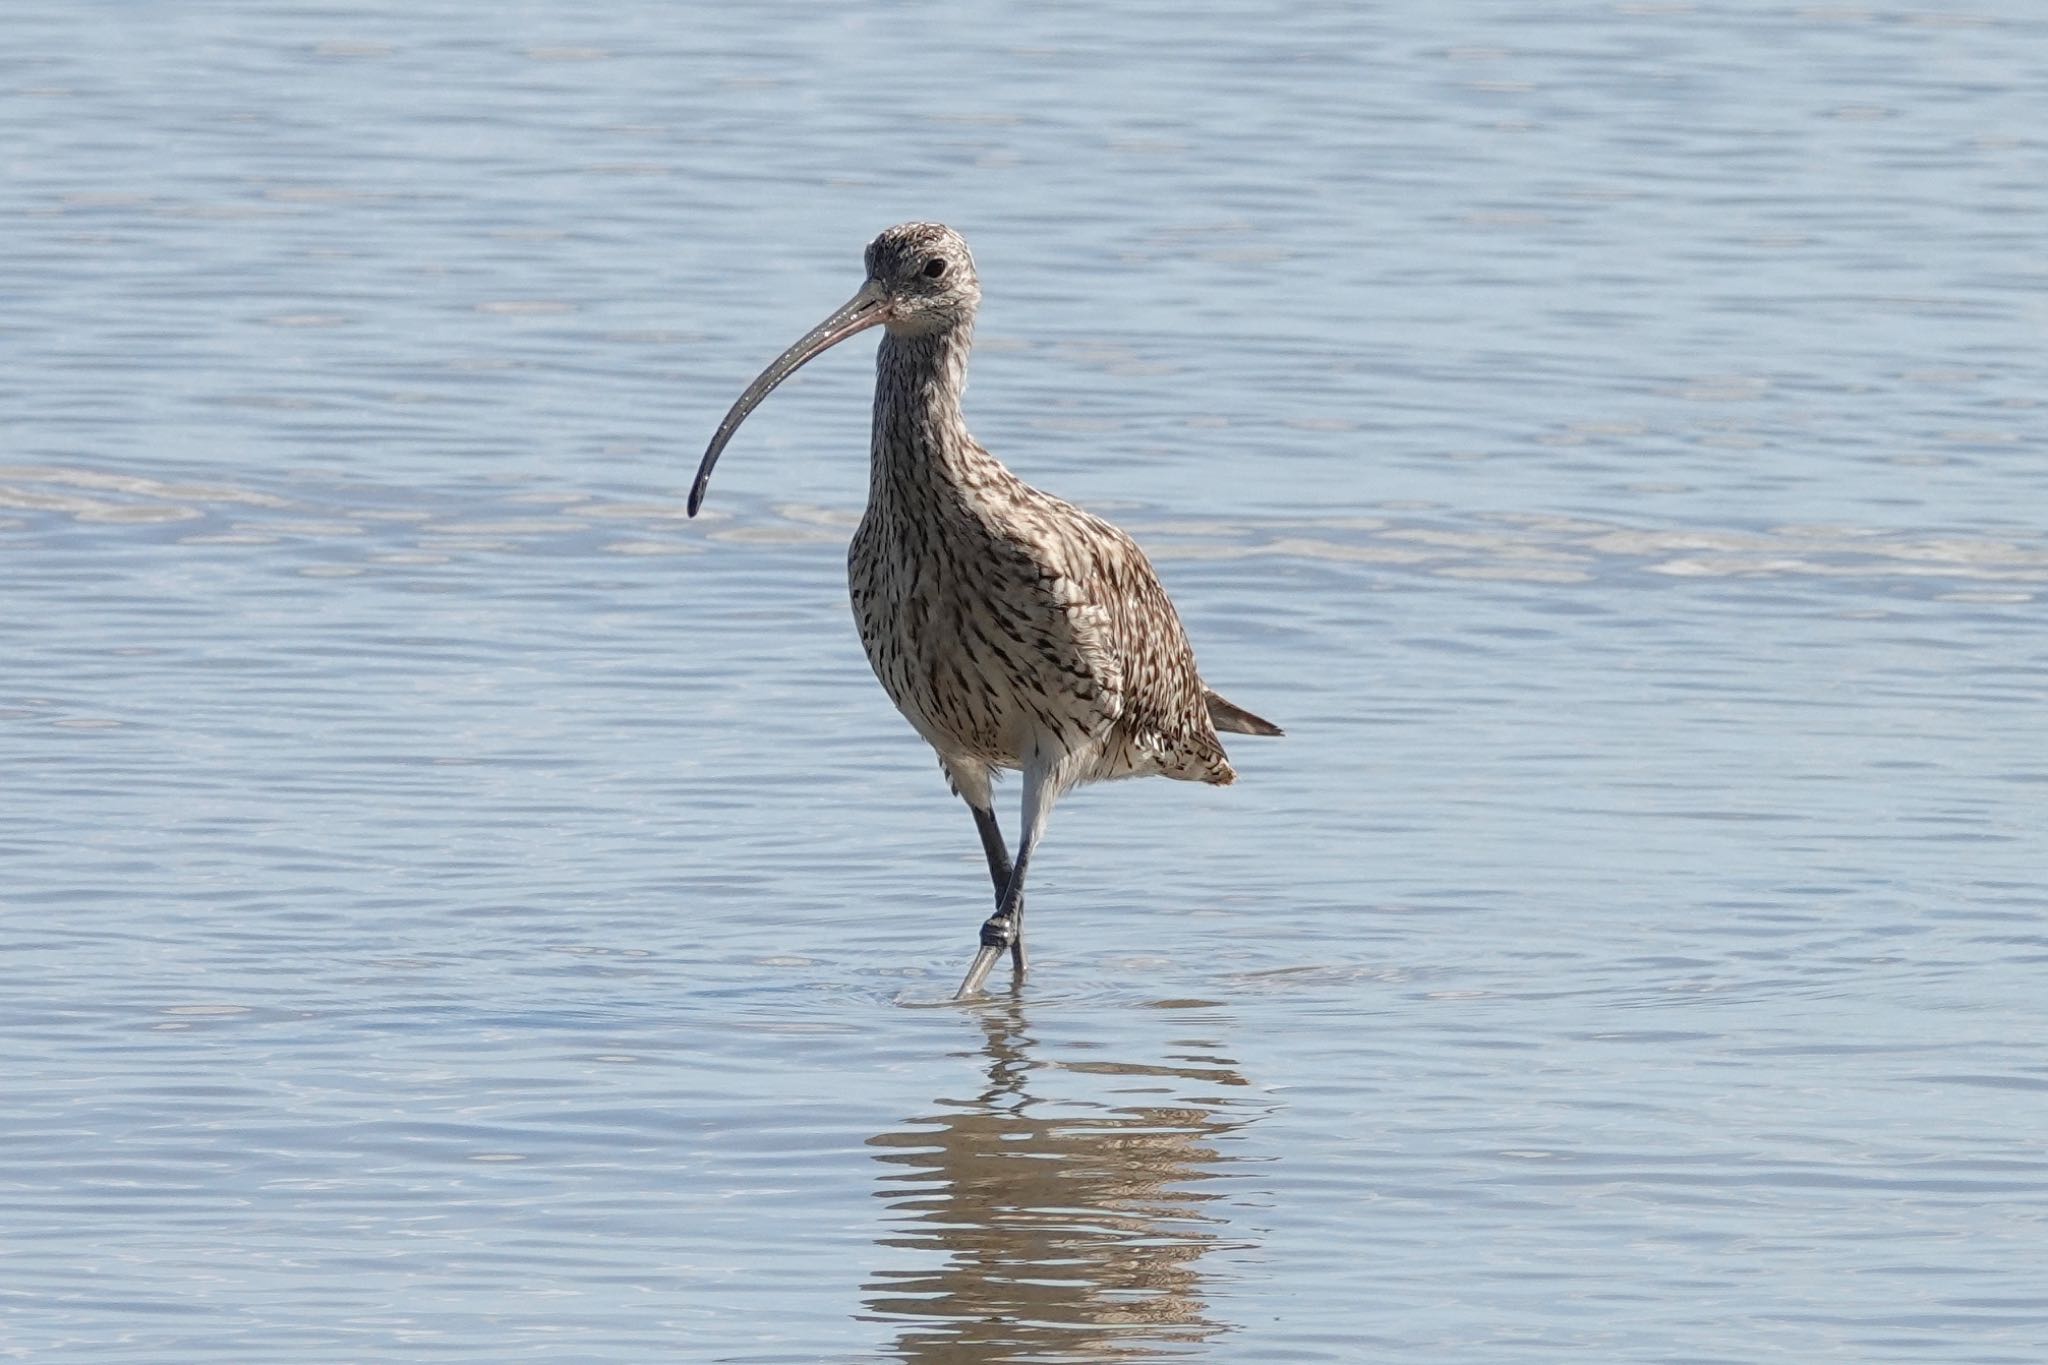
[(1014, 631)]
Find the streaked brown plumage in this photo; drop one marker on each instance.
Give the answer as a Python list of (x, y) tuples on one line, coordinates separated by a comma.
[(1012, 630)]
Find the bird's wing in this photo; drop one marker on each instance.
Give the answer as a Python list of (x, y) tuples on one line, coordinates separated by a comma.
[(1079, 625), (1125, 632)]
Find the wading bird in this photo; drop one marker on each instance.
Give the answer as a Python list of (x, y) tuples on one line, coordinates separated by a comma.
[(1011, 629)]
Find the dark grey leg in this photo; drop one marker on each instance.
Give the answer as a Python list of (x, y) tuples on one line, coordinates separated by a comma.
[(1044, 779), (1003, 929), (1017, 944), (992, 845), (999, 873)]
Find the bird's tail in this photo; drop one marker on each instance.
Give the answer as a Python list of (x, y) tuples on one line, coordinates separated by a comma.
[(1234, 719)]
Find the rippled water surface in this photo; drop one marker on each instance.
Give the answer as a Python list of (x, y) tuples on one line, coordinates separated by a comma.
[(458, 909)]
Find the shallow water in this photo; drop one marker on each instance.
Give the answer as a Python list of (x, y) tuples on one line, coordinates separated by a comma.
[(460, 909)]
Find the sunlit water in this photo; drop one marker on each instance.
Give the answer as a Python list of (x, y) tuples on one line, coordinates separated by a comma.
[(458, 909)]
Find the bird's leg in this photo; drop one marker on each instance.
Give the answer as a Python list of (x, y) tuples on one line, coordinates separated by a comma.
[(1017, 943), (993, 846), (1005, 928), (1002, 930), (999, 871)]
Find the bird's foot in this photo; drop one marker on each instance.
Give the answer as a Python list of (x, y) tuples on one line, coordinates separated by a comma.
[(1000, 933)]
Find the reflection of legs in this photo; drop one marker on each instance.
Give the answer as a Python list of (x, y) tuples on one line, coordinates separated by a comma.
[(1005, 928)]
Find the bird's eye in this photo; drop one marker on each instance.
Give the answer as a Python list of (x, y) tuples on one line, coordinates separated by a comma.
[(935, 267)]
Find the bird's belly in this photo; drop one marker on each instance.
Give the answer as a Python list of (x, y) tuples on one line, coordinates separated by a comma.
[(956, 691), (976, 682)]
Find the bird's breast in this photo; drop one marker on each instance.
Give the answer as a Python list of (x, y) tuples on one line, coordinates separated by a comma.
[(968, 636)]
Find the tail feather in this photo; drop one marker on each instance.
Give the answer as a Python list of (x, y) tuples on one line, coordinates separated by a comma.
[(1234, 719)]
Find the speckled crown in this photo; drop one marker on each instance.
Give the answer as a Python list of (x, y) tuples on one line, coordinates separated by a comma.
[(900, 248)]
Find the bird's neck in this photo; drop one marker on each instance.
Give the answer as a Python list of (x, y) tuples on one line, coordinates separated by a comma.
[(921, 445)]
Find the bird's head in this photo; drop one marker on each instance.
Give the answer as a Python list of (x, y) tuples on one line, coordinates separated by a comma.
[(923, 276), (920, 281)]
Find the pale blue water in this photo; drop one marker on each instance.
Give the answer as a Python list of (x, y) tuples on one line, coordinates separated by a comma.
[(457, 909)]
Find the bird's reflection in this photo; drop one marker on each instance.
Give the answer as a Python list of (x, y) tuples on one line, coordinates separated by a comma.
[(1046, 1217)]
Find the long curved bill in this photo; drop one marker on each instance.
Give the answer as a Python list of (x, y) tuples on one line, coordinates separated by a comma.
[(864, 310)]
